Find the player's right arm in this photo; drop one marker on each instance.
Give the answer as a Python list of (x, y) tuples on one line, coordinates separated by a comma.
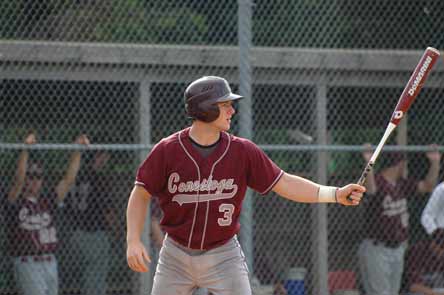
[(136, 253), (20, 173)]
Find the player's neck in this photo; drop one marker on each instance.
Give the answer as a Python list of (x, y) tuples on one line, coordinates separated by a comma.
[(203, 134), (391, 175)]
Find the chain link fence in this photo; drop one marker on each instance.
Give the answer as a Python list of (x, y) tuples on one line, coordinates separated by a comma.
[(321, 79)]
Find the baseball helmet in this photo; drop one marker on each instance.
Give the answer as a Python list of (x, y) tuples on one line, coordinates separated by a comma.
[(202, 95)]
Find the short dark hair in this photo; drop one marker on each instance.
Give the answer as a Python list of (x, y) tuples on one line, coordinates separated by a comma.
[(390, 159)]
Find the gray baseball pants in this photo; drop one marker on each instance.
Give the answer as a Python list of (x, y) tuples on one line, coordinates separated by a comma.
[(381, 268), (223, 270), (36, 277)]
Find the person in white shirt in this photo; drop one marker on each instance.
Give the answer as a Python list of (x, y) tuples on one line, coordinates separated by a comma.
[(433, 215)]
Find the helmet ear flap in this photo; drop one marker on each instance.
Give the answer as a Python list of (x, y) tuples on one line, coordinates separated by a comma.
[(202, 109)]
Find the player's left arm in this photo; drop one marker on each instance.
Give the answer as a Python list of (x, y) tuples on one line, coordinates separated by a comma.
[(299, 189), (429, 182), (69, 178)]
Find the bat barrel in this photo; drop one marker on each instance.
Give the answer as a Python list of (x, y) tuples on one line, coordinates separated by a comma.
[(408, 95), (431, 49), (415, 83)]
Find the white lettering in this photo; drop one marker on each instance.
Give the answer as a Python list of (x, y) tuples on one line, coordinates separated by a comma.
[(393, 208), (228, 210), (420, 75), (34, 222), (222, 189), (174, 177), (204, 185)]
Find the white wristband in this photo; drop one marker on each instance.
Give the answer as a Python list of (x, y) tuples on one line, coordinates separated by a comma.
[(327, 194)]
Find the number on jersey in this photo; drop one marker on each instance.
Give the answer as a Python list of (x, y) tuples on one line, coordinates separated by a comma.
[(227, 210)]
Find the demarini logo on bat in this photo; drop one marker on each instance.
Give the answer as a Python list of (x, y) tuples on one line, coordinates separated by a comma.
[(420, 76)]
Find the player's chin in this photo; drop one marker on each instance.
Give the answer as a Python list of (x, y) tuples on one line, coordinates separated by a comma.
[(225, 127)]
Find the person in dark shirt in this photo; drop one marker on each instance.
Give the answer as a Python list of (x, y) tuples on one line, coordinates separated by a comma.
[(90, 205), (381, 253), (31, 231), (425, 265)]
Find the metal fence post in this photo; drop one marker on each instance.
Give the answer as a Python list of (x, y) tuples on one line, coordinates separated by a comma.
[(144, 282), (245, 113), (319, 213)]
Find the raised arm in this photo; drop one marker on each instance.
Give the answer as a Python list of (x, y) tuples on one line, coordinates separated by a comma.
[(20, 173), (71, 172), (299, 189), (136, 253), (429, 182)]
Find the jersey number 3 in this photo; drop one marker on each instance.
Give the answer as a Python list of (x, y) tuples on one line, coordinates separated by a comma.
[(227, 210)]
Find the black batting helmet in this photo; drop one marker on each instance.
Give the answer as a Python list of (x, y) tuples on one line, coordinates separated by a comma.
[(202, 95)]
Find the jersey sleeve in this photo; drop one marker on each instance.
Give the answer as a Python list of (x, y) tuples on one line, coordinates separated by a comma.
[(151, 173), (262, 172)]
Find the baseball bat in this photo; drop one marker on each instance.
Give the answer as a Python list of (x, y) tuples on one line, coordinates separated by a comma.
[(407, 97)]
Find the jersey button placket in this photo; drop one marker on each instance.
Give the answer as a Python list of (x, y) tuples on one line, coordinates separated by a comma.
[(206, 212)]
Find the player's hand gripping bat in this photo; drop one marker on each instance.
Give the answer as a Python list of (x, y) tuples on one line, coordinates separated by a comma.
[(409, 94)]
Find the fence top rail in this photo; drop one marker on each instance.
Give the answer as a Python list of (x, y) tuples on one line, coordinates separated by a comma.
[(266, 147), (226, 56)]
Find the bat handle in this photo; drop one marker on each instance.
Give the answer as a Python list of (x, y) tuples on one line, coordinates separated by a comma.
[(367, 170), (362, 179)]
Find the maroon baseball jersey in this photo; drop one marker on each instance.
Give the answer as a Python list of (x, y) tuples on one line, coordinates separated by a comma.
[(201, 198), (30, 226), (424, 266), (388, 215)]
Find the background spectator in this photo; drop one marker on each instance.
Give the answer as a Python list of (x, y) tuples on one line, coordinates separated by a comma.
[(90, 206), (425, 265), (381, 253), (32, 235), (433, 215)]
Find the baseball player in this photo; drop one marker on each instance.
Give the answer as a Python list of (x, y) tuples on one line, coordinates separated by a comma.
[(381, 252), (32, 236), (200, 176)]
